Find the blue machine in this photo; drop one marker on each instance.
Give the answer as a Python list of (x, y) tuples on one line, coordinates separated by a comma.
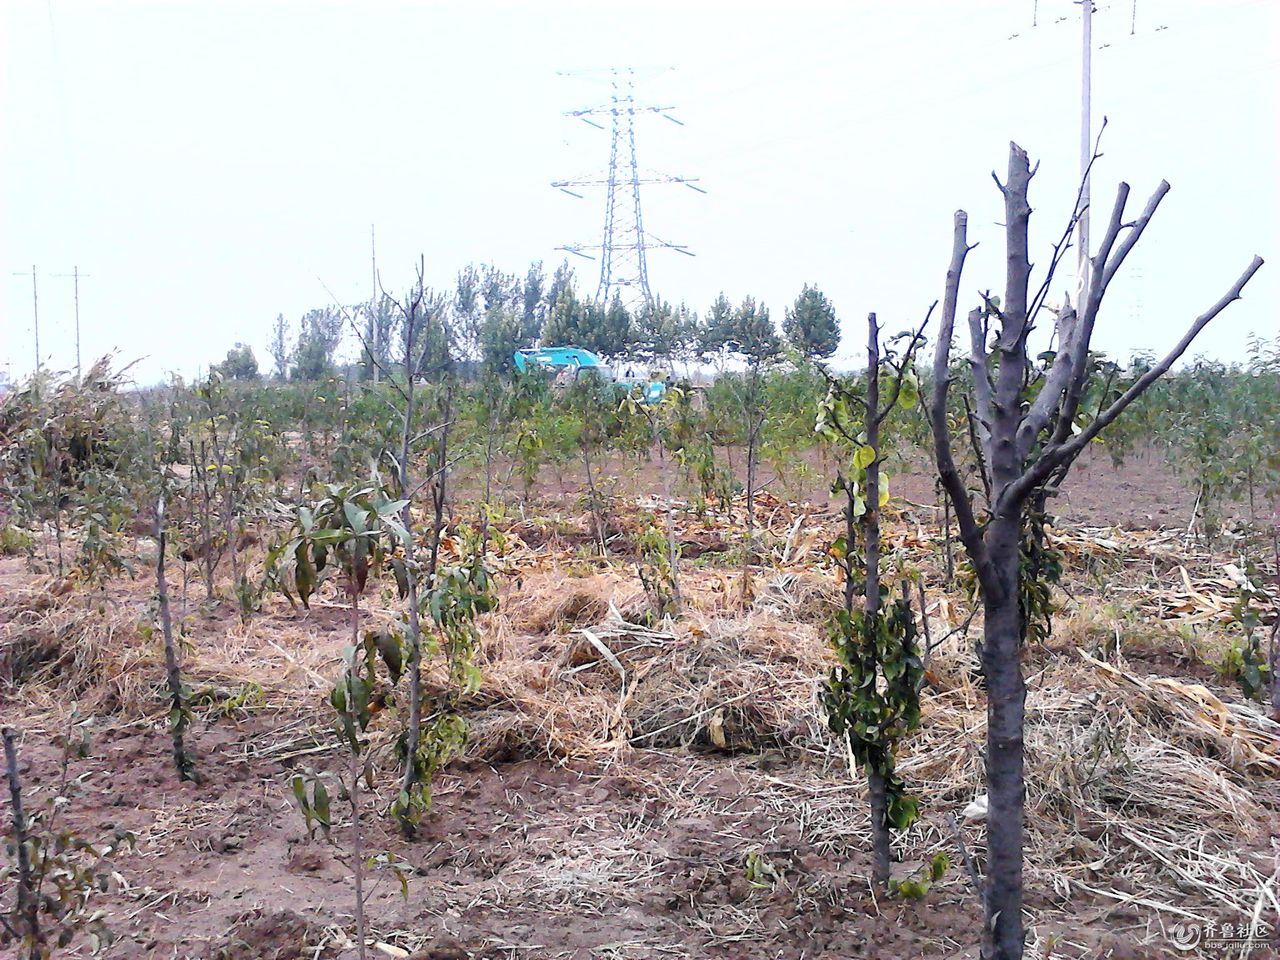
[(562, 358), (570, 362)]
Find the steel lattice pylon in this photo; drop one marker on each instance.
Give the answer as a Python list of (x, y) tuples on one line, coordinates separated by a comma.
[(624, 266)]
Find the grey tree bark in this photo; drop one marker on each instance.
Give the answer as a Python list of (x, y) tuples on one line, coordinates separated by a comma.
[(186, 768), (1023, 449), (28, 904)]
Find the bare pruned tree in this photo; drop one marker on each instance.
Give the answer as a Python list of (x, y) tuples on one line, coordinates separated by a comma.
[(1030, 428)]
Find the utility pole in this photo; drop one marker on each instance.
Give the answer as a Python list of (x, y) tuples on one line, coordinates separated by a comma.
[(624, 244), (1086, 148), (35, 310), (35, 314), (375, 330), (76, 275)]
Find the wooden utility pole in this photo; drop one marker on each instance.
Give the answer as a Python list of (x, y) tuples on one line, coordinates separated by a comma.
[(374, 329), (1086, 148), (35, 314), (76, 275)]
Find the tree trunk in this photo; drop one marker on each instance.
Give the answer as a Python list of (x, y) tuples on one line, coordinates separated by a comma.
[(876, 788), (596, 519), (673, 549), (28, 904), (1273, 660), (947, 539), (414, 722), (357, 838), (753, 436), (1006, 790), (186, 769)]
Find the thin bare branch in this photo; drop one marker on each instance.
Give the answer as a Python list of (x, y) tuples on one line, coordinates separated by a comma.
[(901, 369), (1060, 453), (981, 375), (1064, 242), (947, 471), (351, 322), (1055, 385)]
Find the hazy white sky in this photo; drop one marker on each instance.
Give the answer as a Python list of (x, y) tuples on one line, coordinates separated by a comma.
[(204, 163)]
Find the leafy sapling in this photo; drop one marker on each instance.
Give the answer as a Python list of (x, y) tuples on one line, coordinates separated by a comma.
[(345, 532), (53, 873), (873, 694)]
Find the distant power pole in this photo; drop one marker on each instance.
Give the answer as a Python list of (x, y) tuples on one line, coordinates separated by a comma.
[(76, 277), (35, 311), (374, 328), (624, 244), (35, 314), (1086, 147)]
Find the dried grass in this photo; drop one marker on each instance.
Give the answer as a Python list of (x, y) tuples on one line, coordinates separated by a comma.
[(1145, 792)]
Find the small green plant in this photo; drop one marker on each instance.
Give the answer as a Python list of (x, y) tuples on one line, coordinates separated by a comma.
[(653, 564), (1245, 661), (357, 697), (351, 532), (103, 517), (458, 595), (872, 697), (915, 888), (15, 541), (761, 873), (53, 872), (313, 804)]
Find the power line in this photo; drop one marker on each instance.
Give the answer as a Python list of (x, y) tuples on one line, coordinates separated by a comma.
[(35, 309), (624, 243)]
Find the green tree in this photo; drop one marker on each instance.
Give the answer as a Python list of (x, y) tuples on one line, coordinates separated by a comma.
[(583, 323), (873, 693), (717, 329), (240, 364), (319, 337), (562, 319), (811, 325), (468, 313), (752, 333), (533, 304), (279, 347), (613, 337), (661, 332), (561, 281)]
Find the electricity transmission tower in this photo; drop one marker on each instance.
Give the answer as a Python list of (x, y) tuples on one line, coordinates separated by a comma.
[(624, 244)]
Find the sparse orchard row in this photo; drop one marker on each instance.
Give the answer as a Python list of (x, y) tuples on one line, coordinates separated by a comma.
[(387, 487)]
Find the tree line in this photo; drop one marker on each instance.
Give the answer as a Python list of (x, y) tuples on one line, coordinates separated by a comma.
[(490, 314)]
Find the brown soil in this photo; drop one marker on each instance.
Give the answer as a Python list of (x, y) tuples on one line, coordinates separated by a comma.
[(614, 852), (1141, 493)]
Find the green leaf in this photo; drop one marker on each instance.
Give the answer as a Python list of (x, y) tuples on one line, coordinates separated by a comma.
[(392, 653), (912, 889), (356, 516), (939, 865), (397, 528), (909, 394), (320, 803), (864, 456)]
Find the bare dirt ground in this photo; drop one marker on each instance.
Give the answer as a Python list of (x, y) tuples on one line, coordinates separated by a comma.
[(693, 806), (1143, 492)]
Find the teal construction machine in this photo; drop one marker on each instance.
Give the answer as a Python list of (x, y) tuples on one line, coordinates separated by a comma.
[(570, 364)]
